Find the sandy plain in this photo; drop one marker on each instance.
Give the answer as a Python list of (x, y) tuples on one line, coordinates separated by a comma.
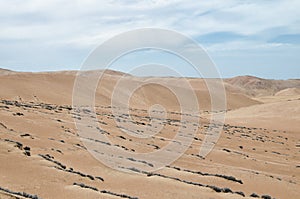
[(43, 156)]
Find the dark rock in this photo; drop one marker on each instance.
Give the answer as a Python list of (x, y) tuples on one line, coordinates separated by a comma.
[(27, 148), (85, 186), (226, 190), (22, 194), (240, 193), (266, 197), (25, 135), (99, 178), (216, 189), (122, 137), (227, 150), (90, 177), (254, 195), (18, 114)]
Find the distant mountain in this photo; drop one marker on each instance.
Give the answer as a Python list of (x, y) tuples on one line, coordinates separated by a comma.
[(254, 86)]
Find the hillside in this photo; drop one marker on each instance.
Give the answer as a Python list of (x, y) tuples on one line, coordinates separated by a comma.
[(49, 149)]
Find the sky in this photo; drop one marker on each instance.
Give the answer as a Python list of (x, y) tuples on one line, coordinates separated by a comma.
[(242, 37)]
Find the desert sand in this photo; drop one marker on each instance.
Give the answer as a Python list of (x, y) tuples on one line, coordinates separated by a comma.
[(43, 156)]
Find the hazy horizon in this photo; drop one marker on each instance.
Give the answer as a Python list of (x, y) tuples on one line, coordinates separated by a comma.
[(160, 76), (258, 38)]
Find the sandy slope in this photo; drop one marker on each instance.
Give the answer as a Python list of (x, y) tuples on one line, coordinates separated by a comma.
[(258, 151), (288, 92), (254, 86), (57, 87), (283, 115)]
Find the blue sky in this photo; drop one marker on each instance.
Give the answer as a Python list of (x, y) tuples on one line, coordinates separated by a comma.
[(260, 38)]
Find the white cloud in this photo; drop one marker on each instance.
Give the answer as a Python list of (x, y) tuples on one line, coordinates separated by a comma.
[(244, 45), (76, 21), (84, 24)]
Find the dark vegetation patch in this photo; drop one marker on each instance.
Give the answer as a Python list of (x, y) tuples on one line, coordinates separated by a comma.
[(64, 168), (141, 161), (19, 145), (215, 188), (36, 105), (230, 178), (121, 195), (22, 194)]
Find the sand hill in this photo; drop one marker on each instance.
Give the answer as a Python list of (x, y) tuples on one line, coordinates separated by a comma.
[(44, 156), (254, 86), (288, 92), (57, 87)]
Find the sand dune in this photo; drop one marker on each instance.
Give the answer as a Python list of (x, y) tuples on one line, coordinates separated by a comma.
[(43, 156), (283, 115), (254, 86), (57, 87), (289, 92)]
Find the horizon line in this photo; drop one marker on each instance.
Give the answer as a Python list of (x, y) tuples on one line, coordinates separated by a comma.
[(145, 76)]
